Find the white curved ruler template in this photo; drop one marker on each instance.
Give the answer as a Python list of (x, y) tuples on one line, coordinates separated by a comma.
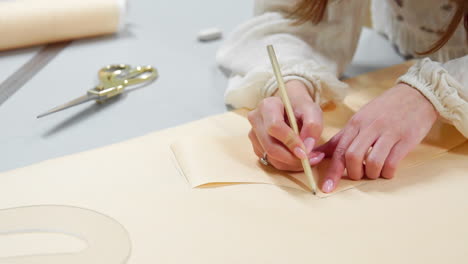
[(107, 240)]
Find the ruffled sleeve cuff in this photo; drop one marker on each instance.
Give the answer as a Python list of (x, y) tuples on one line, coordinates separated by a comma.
[(247, 91), (441, 89)]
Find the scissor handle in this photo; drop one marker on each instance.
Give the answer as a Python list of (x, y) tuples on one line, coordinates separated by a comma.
[(137, 75), (106, 74), (114, 78)]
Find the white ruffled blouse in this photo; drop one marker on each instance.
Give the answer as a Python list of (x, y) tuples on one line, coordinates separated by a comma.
[(318, 54)]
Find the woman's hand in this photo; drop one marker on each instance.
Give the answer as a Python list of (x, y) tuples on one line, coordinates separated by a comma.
[(271, 133), (392, 124)]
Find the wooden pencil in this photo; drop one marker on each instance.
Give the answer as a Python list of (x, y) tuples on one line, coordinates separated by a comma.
[(290, 113)]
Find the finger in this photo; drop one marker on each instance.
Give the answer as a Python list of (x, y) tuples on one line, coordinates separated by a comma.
[(398, 152), (256, 144), (316, 157), (309, 144), (274, 148), (338, 163), (275, 163), (272, 111), (284, 166), (258, 152), (311, 116), (329, 147), (379, 153), (357, 151), (268, 144)]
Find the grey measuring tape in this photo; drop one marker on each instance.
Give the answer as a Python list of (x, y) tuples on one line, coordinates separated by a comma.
[(13, 83)]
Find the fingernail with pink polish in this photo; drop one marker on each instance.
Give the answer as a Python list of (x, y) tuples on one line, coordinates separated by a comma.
[(299, 152), (309, 144), (317, 159), (328, 186)]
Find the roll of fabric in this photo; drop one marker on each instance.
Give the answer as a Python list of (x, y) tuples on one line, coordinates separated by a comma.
[(31, 22)]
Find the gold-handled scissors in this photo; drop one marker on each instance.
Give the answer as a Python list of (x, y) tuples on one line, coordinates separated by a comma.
[(113, 81)]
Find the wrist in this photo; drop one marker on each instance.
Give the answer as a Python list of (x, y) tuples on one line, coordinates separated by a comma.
[(296, 90), (419, 98)]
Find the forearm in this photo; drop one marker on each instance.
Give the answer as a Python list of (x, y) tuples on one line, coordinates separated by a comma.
[(313, 54), (446, 90)]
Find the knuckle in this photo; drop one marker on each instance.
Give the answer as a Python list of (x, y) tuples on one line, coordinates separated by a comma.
[(278, 154), (335, 139), (409, 136), (354, 173), (289, 166), (292, 141), (269, 102), (336, 172), (355, 177), (271, 151), (251, 135), (392, 136), (251, 116), (274, 128), (340, 151), (312, 126), (296, 168), (279, 166), (257, 152), (351, 157), (389, 170), (388, 175), (374, 164), (371, 174), (391, 164), (380, 123), (355, 121)]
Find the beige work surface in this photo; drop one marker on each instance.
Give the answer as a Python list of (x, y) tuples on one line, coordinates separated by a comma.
[(420, 216)]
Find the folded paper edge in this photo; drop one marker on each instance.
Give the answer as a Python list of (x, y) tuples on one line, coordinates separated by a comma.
[(176, 162)]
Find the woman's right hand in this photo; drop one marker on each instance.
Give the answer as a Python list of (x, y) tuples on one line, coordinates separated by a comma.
[(272, 135)]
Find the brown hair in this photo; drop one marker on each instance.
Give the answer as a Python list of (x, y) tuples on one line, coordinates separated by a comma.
[(314, 10)]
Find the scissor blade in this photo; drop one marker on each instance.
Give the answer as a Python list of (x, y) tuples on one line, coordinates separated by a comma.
[(77, 101)]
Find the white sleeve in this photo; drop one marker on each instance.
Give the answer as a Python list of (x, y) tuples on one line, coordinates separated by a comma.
[(314, 54), (445, 86)]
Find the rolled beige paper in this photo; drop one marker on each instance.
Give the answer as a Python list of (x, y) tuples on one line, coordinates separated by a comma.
[(31, 22)]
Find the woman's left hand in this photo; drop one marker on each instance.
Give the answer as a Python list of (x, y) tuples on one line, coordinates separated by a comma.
[(392, 124)]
